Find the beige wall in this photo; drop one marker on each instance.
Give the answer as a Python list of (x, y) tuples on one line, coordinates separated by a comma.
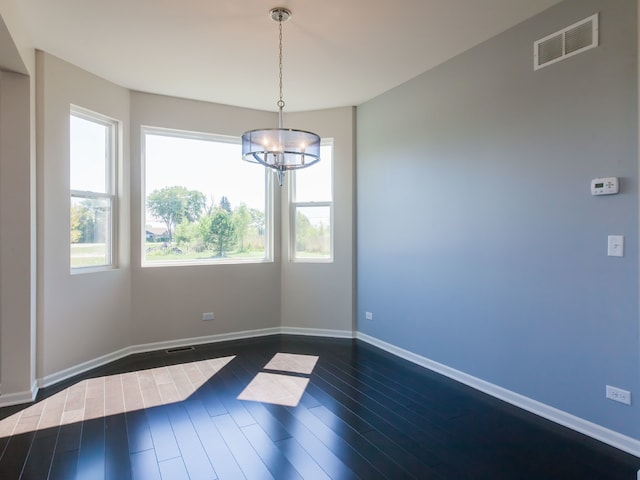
[(16, 329), (84, 316), (321, 295), (16, 50), (17, 209), (84, 319), (168, 302)]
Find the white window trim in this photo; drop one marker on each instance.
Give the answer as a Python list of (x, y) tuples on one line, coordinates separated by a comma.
[(111, 173), (213, 137), (293, 206)]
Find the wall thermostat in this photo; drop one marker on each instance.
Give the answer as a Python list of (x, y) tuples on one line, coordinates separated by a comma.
[(605, 186)]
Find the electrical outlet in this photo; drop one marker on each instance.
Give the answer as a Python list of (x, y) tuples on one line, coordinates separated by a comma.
[(618, 395), (207, 316), (368, 315)]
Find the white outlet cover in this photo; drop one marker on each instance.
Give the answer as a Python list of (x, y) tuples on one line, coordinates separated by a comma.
[(618, 395)]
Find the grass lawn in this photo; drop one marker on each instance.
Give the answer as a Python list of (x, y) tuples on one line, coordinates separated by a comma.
[(93, 254), (155, 253), (88, 255)]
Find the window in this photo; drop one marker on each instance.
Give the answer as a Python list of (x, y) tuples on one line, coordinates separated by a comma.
[(312, 209), (92, 152), (203, 203)]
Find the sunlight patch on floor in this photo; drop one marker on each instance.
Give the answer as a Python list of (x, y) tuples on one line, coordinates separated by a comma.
[(278, 388), (292, 362), (275, 388), (114, 394)]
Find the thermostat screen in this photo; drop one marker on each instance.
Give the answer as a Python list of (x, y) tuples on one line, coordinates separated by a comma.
[(599, 185)]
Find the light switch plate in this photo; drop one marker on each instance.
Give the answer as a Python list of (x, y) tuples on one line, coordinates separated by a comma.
[(615, 246)]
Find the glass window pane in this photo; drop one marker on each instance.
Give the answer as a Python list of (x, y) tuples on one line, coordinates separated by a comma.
[(90, 232), (313, 232), (313, 184), (203, 203), (89, 150)]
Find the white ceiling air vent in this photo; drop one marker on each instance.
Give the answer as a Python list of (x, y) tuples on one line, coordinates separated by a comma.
[(576, 38)]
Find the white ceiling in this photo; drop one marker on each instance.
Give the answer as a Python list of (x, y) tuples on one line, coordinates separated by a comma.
[(336, 52)]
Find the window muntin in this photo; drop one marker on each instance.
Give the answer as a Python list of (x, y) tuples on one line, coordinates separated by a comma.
[(203, 204), (312, 209), (92, 171)]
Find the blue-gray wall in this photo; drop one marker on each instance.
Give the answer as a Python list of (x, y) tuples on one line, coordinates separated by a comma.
[(479, 244)]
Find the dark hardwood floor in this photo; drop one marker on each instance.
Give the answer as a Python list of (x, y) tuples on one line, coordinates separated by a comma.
[(364, 414)]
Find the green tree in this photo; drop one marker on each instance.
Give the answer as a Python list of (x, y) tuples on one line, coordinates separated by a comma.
[(242, 218), (225, 204), (304, 232), (77, 223), (187, 233), (87, 222), (218, 231), (257, 220), (172, 205)]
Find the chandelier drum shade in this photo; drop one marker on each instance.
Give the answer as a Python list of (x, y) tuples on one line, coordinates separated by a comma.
[(281, 148)]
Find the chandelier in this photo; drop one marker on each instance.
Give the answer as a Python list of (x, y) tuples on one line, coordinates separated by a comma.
[(281, 148)]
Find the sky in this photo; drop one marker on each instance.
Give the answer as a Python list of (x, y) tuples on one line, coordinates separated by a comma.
[(314, 183), (211, 165), (88, 146)]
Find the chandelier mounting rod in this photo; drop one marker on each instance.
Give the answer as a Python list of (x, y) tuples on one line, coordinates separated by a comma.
[(280, 14)]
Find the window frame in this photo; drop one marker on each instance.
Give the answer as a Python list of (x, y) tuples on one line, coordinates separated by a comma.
[(212, 137), (112, 159), (294, 205)]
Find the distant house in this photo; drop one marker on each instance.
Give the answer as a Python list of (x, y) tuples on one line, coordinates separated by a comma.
[(157, 234)]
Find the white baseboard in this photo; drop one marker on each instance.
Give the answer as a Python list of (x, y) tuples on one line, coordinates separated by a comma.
[(317, 332), (17, 398), (82, 367), (610, 437), (150, 347), (222, 337), (52, 379)]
